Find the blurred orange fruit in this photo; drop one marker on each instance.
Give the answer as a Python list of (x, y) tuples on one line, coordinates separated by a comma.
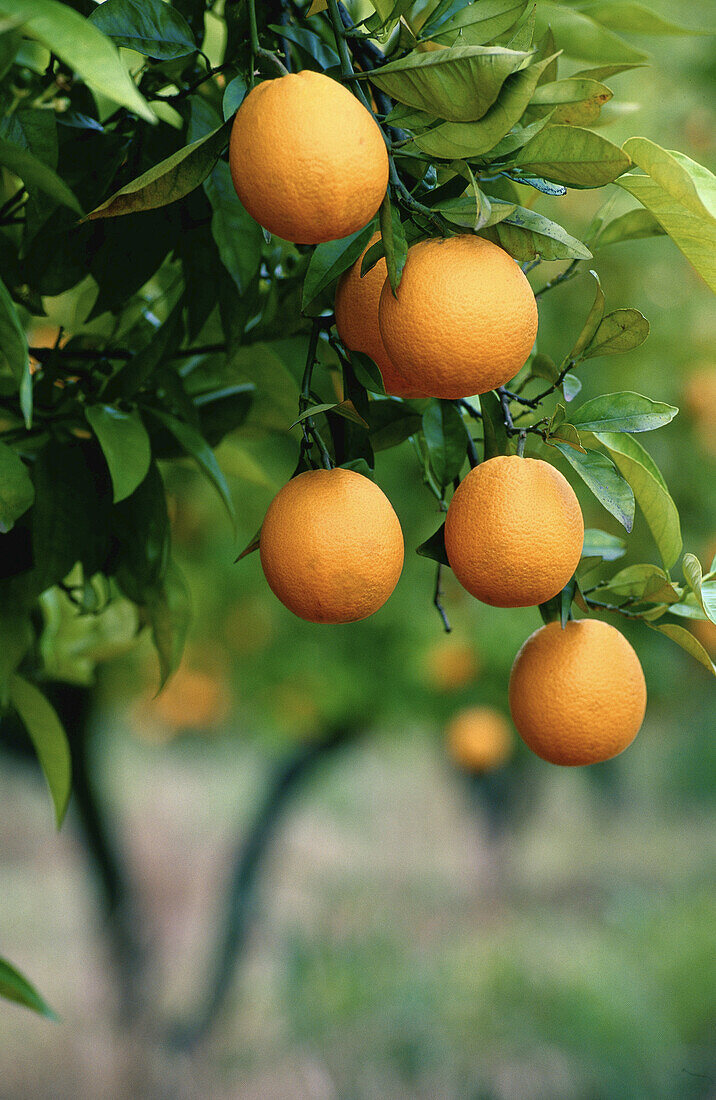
[(357, 300), (577, 695), (464, 319), (514, 531), (307, 159), (450, 664), (193, 700), (331, 546), (479, 739)]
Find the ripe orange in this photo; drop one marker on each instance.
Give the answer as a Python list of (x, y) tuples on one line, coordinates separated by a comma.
[(357, 320), (577, 695), (479, 739), (331, 546), (307, 159), (450, 664), (464, 319), (514, 531)]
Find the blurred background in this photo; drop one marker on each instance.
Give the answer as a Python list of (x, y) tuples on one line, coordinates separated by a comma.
[(405, 927)]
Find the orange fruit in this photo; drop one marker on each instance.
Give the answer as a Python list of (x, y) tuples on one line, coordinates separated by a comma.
[(464, 319), (514, 531), (479, 739), (331, 546), (307, 159), (357, 319), (450, 664), (192, 700), (577, 695)]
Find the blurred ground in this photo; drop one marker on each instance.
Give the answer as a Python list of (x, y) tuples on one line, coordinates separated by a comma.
[(398, 951)]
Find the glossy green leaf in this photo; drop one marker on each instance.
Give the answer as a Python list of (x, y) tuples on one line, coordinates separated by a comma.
[(434, 547), (573, 156), (464, 210), (140, 528), (621, 330), (345, 409), (687, 641), (705, 594), (196, 446), (13, 351), (644, 582), (599, 544), (623, 412), (34, 173), (16, 489), (125, 444), (77, 42), (150, 27), (591, 325), (446, 439), (238, 237), (635, 225), (474, 24), (458, 140), (48, 737), (367, 373), (681, 195), (651, 494), (15, 987), (233, 96), (168, 181), (525, 234), (391, 422), (496, 439), (458, 84), (607, 484), (630, 18), (329, 261), (169, 612), (394, 242)]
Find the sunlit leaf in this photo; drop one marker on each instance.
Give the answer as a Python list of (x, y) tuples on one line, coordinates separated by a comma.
[(621, 330), (150, 27), (607, 484), (45, 731), (623, 412), (573, 156), (705, 594), (687, 641)]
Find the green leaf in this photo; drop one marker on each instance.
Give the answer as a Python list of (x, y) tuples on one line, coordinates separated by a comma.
[(15, 987), (49, 739), (446, 439), (526, 234), (16, 489), (140, 527), (345, 409), (635, 225), (458, 140), (687, 641), (599, 544), (591, 325), (474, 24), (681, 195), (233, 96), (577, 102), (329, 261), (466, 210), (621, 330), (434, 547), (82, 47), (125, 445), (367, 373), (13, 351), (582, 37), (623, 412), (196, 446), (573, 156), (391, 422), (644, 582), (34, 173), (150, 27), (169, 612), (16, 637), (650, 491), (705, 594), (608, 486), (168, 181), (497, 441), (393, 237), (238, 237), (628, 18), (132, 375), (458, 84)]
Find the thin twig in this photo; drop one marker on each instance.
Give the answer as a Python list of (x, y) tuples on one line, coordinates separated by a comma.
[(437, 599), (568, 273)]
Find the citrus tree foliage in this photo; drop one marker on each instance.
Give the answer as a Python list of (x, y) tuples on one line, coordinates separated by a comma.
[(118, 218)]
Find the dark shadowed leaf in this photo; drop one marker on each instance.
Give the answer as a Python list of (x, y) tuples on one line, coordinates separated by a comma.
[(446, 439), (434, 547), (330, 260), (125, 444), (238, 237), (169, 612), (394, 242), (150, 27), (197, 448), (16, 489)]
